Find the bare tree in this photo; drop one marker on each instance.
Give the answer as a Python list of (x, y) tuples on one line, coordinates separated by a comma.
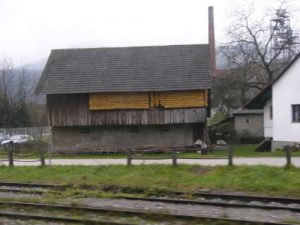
[(6, 72), (13, 95), (251, 57), (252, 42)]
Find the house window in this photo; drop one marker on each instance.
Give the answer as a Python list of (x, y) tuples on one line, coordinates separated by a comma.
[(247, 120), (271, 112), (296, 113)]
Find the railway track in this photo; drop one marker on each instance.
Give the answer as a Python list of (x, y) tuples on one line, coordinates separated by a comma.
[(29, 188), (201, 199), (272, 204), (113, 213), (32, 185), (247, 198)]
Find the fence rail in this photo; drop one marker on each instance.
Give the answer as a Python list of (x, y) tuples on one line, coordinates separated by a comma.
[(36, 151), (17, 152), (173, 151)]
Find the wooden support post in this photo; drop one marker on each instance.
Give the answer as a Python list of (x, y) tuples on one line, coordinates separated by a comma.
[(49, 153), (129, 157), (174, 157), (230, 156), (288, 156), (42, 154), (11, 153)]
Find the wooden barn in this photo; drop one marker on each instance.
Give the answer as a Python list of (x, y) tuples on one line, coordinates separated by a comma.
[(118, 98)]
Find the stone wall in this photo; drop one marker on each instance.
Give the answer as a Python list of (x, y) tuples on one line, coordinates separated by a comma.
[(122, 137), (249, 125), (280, 144)]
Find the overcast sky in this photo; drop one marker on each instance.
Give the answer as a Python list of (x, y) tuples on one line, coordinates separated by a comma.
[(31, 28)]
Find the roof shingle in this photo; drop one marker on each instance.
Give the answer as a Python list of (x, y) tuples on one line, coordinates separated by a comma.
[(152, 68)]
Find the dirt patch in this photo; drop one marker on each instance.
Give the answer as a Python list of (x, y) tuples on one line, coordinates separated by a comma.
[(201, 170)]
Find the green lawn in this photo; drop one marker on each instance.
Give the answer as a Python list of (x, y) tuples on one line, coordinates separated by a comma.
[(255, 179)]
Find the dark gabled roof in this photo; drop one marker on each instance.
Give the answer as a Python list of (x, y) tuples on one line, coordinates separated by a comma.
[(216, 124), (124, 69), (247, 112), (262, 97)]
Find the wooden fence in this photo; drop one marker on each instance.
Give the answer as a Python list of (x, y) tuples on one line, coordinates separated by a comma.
[(172, 153), (33, 151)]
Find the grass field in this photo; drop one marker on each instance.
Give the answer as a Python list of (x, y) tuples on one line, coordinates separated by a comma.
[(255, 179)]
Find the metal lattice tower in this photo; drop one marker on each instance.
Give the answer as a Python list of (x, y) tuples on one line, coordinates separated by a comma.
[(285, 41)]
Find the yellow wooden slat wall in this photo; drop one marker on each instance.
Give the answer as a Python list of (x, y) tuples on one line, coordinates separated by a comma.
[(144, 100), (182, 99), (119, 101)]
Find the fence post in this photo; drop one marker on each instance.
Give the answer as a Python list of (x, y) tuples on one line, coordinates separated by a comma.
[(49, 152), (129, 158), (42, 155), (288, 156), (11, 153), (174, 157), (230, 156)]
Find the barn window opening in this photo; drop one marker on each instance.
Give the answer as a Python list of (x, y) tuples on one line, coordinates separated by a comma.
[(134, 130), (165, 129), (296, 113), (85, 130)]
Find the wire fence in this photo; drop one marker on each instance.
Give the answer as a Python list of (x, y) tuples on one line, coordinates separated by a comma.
[(35, 132)]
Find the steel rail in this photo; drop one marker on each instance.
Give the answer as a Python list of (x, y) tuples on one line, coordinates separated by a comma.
[(248, 197), (115, 212), (24, 191), (24, 216), (206, 195), (31, 185), (218, 204)]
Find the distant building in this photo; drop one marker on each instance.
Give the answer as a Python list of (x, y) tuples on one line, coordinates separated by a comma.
[(119, 98), (280, 101), (248, 123), (241, 125)]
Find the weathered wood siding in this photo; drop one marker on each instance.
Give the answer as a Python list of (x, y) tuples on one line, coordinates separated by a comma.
[(73, 110), (145, 100)]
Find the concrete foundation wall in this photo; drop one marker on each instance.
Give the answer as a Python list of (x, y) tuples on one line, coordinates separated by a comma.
[(281, 144), (121, 137), (249, 125)]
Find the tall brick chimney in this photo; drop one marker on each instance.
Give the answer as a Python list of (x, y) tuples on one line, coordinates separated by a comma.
[(211, 40)]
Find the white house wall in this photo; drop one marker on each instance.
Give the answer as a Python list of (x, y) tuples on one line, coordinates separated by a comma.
[(268, 122), (286, 91)]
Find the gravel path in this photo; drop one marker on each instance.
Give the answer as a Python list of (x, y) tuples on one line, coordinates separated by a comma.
[(7, 221), (270, 161), (196, 210)]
